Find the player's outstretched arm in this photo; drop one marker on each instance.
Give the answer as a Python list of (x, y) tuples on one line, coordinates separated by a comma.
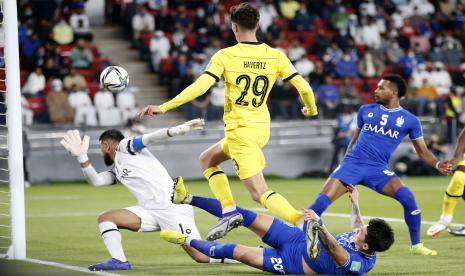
[(199, 87), (78, 148), (151, 138), (444, 167), (356, 221), (306, 94)]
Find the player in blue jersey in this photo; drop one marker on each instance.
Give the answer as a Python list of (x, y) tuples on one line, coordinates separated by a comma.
[(381, 127), (293, 252)]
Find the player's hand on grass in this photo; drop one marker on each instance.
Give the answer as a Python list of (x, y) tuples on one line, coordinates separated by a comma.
[(309, 214), (353, 194), (78, 147), (309, 113), (445, 167), (187, 126), (149, 110)]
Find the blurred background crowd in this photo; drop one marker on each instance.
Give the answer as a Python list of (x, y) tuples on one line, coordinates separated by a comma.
[(340, 47)]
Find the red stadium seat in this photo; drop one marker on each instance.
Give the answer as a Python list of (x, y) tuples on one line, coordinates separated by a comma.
[(145, 38), (65, 50), (37, 104), (93, 88), (89, 74), (23, 74)]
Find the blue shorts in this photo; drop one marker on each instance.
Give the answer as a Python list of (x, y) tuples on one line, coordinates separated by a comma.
[(353, 172), (285, 257)]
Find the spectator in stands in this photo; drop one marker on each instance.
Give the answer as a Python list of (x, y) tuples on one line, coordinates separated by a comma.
[(393, 52), (51, 69), (159, 49), (420, 43), (317, 76), (441, 79), (328, 98), (74, 79), (267, 14), (155, 5), (81, 56), (182, 74), (198, 64), (369, 33), (126, 102), (59, 109), (370, 66), (458, 77), (200, 19), (453, 110), (289, 8), (419, 74), (28, 48), (202, 40), (142, 21), (79, 21), (213, 31), (182, 21), (348, 94), (221, 18), (346, 67), (303, 21), (304, 66), (39, 57), (295, 51), (26, 111), (340, 20), (63, 32), (65, 68), (409, 61), (199, 107), (165, 22), (345, 129), (85, 112), (285, 102), (35, 83), (321, 43), (274, 31), (334, 53), (426, 96)]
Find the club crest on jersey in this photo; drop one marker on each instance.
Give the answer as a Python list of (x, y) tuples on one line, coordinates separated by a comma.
[(400, 121), (370, 114)]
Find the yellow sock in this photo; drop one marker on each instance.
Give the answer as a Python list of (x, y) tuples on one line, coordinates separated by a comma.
[(448, 205), (219, 185), (453, 193), (279, 206)]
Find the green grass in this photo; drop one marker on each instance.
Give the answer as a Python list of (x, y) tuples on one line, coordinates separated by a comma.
[(61, 227)]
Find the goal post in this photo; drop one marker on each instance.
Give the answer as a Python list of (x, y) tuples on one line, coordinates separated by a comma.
[(14, 131)]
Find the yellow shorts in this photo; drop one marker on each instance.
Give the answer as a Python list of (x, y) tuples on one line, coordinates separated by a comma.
[(244, 146)]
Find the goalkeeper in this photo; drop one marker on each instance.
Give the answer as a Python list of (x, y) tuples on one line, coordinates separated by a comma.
[(146, 178)]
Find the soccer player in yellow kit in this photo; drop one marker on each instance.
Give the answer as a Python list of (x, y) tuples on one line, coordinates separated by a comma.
[(250, 69), (453, 193)]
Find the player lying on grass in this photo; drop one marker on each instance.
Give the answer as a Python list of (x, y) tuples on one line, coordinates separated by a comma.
[(293, 251), (381, 127), (145, 177), (453, 193)]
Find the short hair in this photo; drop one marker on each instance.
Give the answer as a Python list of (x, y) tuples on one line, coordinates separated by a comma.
[(245, 16), (399, 82), (379, 235), (112, 135)]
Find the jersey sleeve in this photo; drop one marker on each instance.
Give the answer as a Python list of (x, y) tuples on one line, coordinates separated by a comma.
[(355, 265), (215, 67), (286, 70), (360, 117), (416, 131), (131, 145)]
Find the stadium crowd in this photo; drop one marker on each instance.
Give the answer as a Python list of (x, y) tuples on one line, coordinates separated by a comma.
[(60, 67), (341, 47)]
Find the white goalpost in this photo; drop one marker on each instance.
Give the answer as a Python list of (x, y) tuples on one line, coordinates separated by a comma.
[(17, 249)]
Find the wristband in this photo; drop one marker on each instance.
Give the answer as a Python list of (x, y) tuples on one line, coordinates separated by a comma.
[(82, 158), (437, 165)]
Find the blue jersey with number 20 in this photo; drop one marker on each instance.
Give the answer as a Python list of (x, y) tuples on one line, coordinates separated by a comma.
[(382, 130)]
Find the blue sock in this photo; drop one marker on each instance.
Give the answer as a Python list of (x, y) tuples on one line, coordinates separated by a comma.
[(214, 249), (248, 216), (211, 205), (412, 214), (320, 204)]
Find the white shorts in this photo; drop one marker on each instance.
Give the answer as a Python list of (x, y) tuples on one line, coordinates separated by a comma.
[(178, 217)]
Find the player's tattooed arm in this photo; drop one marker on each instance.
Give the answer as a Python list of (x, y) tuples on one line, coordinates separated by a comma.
[(335, 250), (356, 221)]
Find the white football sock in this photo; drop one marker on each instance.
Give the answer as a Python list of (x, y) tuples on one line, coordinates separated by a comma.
[(112, 239), (225, 261), (229, 209)]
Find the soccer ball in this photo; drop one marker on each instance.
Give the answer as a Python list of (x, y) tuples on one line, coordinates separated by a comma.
[(114, 79)]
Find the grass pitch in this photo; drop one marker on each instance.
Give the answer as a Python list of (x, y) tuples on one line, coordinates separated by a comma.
[(61, 221)]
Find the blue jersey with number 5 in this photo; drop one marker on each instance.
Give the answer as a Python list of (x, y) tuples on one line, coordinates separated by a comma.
[(382, 130)]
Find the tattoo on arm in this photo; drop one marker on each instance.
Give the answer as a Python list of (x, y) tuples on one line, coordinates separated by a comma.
[(356, 218), (328, 241)]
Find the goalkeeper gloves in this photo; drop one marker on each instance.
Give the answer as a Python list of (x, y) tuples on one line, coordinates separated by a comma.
[(186, 127), (78, 147)]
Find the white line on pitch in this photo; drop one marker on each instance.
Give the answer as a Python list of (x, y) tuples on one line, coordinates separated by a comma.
[(340, 215), (65, 266)]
